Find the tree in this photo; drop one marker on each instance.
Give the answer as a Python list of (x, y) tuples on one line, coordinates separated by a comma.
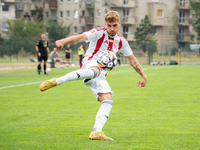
[(144, 32), (57, 30), (155, 45), (195, 19), (20, 29), (22, 33)]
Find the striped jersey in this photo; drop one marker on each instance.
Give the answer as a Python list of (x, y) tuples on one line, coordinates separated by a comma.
[(101, 41)]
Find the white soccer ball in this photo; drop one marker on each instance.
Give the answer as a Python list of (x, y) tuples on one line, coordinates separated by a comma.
[(48, 69), (73, 65), (107, 60)]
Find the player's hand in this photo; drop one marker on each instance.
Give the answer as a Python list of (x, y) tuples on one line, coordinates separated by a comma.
[(142, 82), (39, 54), (59, 44)]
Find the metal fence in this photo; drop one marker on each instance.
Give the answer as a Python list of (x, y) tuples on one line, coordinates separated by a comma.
[(23, 51)]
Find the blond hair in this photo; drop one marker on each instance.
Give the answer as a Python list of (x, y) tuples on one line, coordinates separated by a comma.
[(112, 16)]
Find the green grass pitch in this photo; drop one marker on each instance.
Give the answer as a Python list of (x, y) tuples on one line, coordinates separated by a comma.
[(163, 115)]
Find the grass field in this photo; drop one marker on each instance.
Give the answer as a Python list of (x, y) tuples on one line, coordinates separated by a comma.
[(163, 115)]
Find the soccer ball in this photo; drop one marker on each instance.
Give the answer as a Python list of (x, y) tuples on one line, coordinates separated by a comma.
[(48, 69), (107, 60)]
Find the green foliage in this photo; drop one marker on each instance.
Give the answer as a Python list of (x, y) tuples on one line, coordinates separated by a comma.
[(143, 33), (174, 51), (57, 30), (21, 29), (155, 45), (195, 19), (1, 38)]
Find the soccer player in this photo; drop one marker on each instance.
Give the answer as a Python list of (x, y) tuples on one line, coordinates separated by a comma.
[(67, 56), (101, 39), (43, 51)]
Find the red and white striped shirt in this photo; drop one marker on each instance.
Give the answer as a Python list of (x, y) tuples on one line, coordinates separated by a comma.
[(101, 41)]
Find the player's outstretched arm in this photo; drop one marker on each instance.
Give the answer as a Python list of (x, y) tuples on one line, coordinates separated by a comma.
[(136, 65), (72, 39)]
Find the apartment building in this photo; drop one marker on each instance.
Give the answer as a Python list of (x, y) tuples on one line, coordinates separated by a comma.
[(169, 18), (7, 11)]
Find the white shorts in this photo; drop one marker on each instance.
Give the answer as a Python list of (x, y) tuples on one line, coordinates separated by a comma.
[(98, 84)]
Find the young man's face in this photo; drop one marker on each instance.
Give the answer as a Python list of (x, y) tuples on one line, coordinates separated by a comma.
[(112, 27)]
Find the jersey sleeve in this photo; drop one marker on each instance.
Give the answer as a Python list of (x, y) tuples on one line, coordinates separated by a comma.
[(126, 49), (93, 34)]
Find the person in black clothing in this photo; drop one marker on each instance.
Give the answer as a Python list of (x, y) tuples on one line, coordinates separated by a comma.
[(68, 51), (43, 51)]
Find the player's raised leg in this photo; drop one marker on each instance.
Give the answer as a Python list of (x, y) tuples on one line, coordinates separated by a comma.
[(74, 75)]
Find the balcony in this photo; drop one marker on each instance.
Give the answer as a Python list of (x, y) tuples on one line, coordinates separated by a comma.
[(89, 4), (183, 21), (183, 38), (8, 1), (89, 20), (53, 4), (129, 20), (121, 4), (36, 6), (184, 5)]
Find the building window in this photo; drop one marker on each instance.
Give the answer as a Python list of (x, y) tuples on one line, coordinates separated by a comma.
[(83, 29), (98, 13), (75, 14), (20, 6), (5, 7), (106, 11), (33, 1), (68, 14), (4, 26), (126, 2), (68, 1), (181, 17), (160, 13), (75, 1), (61, 14), (75, 30), (54, 15), (98, 0), (182, 3), (125, 29), (61, 1), (47, 14), (83, 13), (155, 30)]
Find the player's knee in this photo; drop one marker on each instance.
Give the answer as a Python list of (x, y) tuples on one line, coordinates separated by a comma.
[(104, 96), (96, 72)]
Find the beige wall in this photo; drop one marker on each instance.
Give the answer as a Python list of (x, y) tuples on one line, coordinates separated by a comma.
[(6, 15)]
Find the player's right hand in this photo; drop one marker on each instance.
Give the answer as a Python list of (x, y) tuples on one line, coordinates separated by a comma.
[(59, 44), (39, 54)]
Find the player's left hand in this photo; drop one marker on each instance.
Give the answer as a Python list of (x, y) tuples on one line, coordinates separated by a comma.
[(142, 82)]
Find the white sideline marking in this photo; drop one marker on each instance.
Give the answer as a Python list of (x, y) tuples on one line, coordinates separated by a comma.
[(11, 68), (158, 67), (6, 87)]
